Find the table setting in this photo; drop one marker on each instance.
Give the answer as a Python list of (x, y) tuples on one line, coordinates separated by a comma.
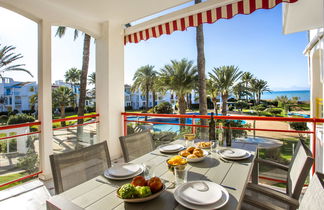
[(168, 169)]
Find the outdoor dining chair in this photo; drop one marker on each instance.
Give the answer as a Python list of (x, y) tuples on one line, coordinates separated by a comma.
[(313, 197), (73, 168), (136, 145), (266, 198)]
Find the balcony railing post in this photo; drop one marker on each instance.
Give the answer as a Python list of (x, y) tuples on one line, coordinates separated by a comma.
[(193, 128), (314, 146), (125, 124)]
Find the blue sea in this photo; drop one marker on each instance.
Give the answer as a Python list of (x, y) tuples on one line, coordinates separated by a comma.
[(304, 95)]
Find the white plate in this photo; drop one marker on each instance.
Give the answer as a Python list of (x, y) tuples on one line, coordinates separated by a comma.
[(126, 169), (194, 160), (192, 192), (109, 176), (220, 203), (171, 148), (248, 154), (232, 152)]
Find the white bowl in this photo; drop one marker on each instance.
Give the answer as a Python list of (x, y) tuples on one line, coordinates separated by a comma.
[(194, 160)]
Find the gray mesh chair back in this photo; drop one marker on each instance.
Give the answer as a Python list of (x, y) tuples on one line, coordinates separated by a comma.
[(73, 168), (299, 168), (136, 145), (313, 198)]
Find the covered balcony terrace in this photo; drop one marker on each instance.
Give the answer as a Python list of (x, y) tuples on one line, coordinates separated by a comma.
[(106, 21)]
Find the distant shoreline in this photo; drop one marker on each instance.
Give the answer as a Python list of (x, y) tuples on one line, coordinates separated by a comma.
[(304, 95)]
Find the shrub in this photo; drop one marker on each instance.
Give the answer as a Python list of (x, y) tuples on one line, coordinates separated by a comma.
[(3, 118), (20, 118), (70, 109), (242, 105), (163, 137), (230, 108), (163, 108), (299, 126), (90, 109), (260, 107), (150, 110), (274, 111), (29, 162), (12, 146)]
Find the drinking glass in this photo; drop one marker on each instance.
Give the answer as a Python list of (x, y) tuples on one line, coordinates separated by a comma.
[(148, 171), (213, 146), (189, 139), (181, 175)]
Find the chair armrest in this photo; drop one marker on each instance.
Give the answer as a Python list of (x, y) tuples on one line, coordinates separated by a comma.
[(260, 204), (273, 194), (269, 162)]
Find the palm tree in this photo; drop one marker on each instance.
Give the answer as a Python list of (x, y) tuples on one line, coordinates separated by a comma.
[(72, 77), (92, 78), (63, 97), (246, 79), (259, 86), (201, 76), (144, 80), (213, 92), (225, 77), (33, 100), (7, 58), (60, 32), (240, 90), (181, 78), (283, 101)]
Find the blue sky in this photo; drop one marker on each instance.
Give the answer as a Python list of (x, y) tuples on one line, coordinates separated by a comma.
[(253, 42)]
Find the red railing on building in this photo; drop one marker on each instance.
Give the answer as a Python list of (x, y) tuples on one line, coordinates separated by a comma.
[(314, 121), (7, 127)]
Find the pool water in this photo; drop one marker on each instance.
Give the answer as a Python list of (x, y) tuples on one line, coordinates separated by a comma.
[(166, 127), (299, 115)]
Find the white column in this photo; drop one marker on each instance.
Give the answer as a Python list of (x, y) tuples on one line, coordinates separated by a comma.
[(110, 85), (45, 98)]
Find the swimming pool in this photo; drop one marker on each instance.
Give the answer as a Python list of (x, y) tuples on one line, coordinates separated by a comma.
[(166, 127), (299, 115), (172, 128)]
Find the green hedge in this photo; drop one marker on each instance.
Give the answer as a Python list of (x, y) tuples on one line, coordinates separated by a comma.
[(20, 118)]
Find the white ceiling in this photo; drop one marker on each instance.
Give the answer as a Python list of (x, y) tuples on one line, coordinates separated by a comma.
[(87, 14), (303, 15)]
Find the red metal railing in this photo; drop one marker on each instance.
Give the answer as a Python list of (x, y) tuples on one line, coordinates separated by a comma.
[(314, 121), (7, 127)]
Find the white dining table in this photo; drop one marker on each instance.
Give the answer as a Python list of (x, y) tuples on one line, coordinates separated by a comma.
[(94, 195)]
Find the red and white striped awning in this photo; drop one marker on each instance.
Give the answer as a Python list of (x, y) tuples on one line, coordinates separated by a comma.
[(226, 11)]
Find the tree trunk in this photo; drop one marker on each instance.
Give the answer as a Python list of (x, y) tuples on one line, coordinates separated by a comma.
[(147, 100), (83, 84), (201, 76), (182, 110), (63, 116), (224, 104), (154, 98), (215, 106)]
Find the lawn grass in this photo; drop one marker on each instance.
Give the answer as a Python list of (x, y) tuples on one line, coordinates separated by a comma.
[(11, 177)]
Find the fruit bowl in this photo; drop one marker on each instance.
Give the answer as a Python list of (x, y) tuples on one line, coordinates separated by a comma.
[(180, 164), (139, 200)]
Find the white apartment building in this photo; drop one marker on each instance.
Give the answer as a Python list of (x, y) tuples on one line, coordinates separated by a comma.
[(15, 95), (137, 100), (309, 16)]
